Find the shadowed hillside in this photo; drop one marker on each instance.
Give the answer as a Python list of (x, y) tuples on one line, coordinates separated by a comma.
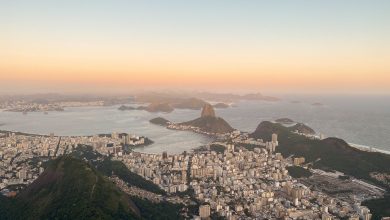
[(328, 154), (71, 189)]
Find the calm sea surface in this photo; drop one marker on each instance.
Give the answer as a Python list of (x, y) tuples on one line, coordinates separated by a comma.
[(358, 120)]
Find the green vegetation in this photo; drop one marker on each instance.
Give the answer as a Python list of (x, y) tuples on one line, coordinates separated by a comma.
[(344, 177), (217, 148), (379, 207), (328, 154), (333, 154), (298, 172), (159, 121), (108, 167), (6, 207), (70, 189), (157, 211), (302, 128), (210, 124)]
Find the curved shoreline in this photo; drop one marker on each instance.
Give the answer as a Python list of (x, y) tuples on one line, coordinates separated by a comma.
[(368, 148)]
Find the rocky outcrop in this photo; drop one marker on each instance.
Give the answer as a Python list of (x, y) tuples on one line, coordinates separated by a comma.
[(208, 122), (211, 125), (208, 111), (303, 129)]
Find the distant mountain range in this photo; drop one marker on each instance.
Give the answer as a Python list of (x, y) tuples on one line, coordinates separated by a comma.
[(196, 101), (234, 97)]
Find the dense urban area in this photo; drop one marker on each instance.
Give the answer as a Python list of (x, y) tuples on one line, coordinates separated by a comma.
[(222, 178)]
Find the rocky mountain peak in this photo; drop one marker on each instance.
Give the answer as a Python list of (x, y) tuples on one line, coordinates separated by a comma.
[(208, 111)]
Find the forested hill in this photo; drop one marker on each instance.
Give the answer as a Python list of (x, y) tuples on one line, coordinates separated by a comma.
[(327, 154)]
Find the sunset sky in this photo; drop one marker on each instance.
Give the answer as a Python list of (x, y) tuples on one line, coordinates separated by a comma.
[(302, 46)]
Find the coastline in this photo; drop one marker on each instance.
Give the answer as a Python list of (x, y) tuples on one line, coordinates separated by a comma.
[(368, 148), (356, 146)]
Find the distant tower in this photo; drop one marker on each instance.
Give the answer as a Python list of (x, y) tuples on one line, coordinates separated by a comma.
[(274, 138), (165, 155)]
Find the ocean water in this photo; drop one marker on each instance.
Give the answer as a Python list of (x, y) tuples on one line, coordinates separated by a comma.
[(102, 120), (361, 120)]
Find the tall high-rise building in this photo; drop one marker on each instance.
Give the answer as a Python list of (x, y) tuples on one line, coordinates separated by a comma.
[(22, 174), (274, 138), (165, 155), (184, 176), (114, 135)]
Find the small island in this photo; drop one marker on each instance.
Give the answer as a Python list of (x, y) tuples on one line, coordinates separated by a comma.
[(317, 104), (153, 107), (160, 121), (285, 121), (126, 108)]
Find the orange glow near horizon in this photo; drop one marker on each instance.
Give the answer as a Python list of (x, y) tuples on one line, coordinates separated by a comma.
[(222, 69)]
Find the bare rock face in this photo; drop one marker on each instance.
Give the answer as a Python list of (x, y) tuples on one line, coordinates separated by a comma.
[(208, 111)]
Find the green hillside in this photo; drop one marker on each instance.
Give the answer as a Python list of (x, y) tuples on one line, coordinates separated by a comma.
[(107, 167), (327, 154), (71, 189)]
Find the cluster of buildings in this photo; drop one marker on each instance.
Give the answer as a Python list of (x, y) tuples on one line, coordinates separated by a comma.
[(241, 184), (22, 155), (235, 184), (170, 172), (22, 106), (29, 106), (135, 191)]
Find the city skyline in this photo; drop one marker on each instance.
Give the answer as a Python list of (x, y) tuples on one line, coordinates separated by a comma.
[(257, 46)]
